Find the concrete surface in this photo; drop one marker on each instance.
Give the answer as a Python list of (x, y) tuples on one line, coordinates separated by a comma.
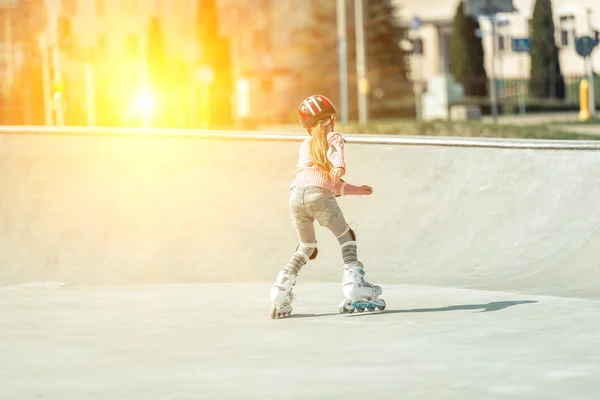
[(139, 268), (215, 341)]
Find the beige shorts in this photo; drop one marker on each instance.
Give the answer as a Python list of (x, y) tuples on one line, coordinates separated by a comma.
[(311, 203)]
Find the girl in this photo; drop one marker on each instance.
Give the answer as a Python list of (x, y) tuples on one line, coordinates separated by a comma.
[(318, 181)]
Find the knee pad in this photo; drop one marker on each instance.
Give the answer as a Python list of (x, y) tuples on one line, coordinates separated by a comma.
[(308, 251), (352, 234), (347, 238)]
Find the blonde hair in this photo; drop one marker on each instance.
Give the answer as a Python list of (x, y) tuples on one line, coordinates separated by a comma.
[(318, 147)]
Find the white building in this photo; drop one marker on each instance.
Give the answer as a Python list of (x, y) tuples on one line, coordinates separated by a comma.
[(570, 18)]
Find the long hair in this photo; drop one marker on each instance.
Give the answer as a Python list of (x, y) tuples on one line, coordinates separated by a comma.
[(318, 147)]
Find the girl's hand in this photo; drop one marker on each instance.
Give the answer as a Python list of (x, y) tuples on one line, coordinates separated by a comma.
[(366, 189), (336, 174)]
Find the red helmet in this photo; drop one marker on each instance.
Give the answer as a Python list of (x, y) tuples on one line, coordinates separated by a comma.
[(314, 108)]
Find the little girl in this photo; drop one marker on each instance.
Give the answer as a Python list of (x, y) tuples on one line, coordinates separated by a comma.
[(318, 181)]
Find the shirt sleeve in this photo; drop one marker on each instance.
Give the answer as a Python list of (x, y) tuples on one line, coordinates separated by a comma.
[(335, 153)]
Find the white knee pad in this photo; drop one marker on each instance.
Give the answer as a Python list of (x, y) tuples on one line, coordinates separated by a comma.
[(308, 251)]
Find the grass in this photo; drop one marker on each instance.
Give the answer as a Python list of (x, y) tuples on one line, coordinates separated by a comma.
[(591, 121), (466, 129)]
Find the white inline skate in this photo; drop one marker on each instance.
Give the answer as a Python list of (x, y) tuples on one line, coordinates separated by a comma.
[(359, 293), (281, 294)]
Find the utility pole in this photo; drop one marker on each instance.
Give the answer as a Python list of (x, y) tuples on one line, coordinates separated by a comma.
[(361, 70), (60, 113), (46, 78), (592, 93), (266, 76), (342, 44), (8, 56), (494, 85), (52, 9), (8, 42), (90, 93), (236, 66)]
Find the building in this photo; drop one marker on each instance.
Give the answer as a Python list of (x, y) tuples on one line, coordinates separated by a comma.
[(571, 20), (265, 52), (103, 49)]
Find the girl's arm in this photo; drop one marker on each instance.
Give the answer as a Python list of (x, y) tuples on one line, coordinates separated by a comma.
[(345, 189), (335, 153)]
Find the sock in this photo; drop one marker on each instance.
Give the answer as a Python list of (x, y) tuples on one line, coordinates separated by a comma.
[(349, 250)]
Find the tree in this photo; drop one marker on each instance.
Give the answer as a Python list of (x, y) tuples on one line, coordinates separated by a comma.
[(317, 53), (387, 67), (216, 52), (157, 68), (466, 54), (546, 77), (25, 101), (156, 55)]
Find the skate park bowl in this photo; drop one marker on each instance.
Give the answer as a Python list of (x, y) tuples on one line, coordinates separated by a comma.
[(152, 253)]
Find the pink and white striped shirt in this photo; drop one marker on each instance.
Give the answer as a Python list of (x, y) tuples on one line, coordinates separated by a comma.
[(307, 173)]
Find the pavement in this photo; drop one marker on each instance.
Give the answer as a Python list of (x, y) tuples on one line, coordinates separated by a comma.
[(139, 268)]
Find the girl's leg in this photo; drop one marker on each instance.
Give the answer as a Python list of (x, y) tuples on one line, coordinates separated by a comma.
[(353, 281), (306, 250), (281, 291), (346, 238)]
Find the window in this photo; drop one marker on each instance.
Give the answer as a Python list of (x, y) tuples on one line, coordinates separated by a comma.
[(417, 46), (504, 43), (567, 30), (501, 44)]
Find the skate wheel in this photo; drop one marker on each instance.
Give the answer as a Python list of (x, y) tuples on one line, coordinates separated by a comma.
[(346, 307), (382, 307), (370, 308), (360, 308), (274, 314)]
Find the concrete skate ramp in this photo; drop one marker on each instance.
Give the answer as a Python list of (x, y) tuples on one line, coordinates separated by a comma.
[(153, 209)]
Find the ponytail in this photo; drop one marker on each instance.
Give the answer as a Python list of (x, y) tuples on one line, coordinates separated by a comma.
[(318, 149)]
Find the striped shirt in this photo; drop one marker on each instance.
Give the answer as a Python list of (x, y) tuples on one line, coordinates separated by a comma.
[(307, 173)]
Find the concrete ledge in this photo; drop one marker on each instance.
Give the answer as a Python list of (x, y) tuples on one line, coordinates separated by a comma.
[(446, 141)]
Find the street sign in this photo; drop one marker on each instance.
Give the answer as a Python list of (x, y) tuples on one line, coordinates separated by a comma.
[(488, 7), (521, 45), (416, 23), (585, 45)]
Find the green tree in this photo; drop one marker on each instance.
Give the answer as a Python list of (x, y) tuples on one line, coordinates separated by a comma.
[(466, 54), (387, 62), (546, 77), (317, 53)]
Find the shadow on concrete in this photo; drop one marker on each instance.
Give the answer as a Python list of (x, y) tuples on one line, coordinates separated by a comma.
[(312, 315), (489, 307)]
